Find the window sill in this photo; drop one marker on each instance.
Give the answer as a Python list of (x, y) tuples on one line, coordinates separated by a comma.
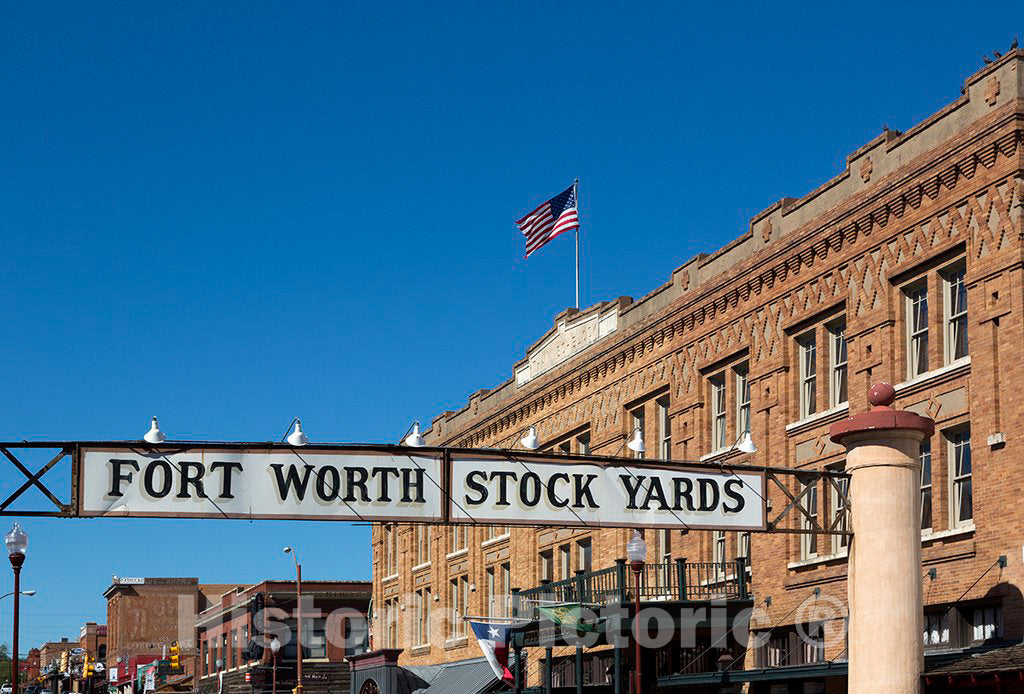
[(457, 553), (933, 375), (821, 559), (818, 418), (951, 534), (455, 642), (392, 577), (495, 540), (720, 453), (420, 650), (420, 567)]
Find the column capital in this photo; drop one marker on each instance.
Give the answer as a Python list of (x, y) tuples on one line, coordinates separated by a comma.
[(881, 417)]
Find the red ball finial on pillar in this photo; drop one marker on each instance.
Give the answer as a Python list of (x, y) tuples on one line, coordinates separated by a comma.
[(882, 395)]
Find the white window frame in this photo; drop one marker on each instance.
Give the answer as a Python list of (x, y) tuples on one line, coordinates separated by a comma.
[(957, 479), (664, 428), (583, 443), (718, 416), (585, 554), (564, 562), (840, 543), (459, 540), (916, 295), (422, 635), (808, 350), (809, 541), (838, 356), (636, 416), (954, 318), (390, 550), (547, 564), (422, 545), (743, 545), (741, 372), (925, 457)]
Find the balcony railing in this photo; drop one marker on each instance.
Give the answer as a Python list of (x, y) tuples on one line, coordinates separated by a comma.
[(679, 580)]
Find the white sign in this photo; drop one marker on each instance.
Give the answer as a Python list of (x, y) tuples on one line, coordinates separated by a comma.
[(327, 484), (130, 581), (112, 674), (151, 680), (485, 489)]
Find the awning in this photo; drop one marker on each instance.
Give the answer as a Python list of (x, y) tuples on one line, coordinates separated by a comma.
[(990, 662)]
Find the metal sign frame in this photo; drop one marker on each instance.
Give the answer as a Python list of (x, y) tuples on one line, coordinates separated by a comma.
[(778, 477)]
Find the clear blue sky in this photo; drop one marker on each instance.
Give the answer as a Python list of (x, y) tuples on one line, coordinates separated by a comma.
[(231, 214)]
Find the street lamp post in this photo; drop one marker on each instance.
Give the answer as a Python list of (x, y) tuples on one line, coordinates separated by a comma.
[(275, 646), (298, 619), (17, 543), (636, 552)]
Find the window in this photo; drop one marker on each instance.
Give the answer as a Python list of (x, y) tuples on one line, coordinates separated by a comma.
[(837, 363), (565, 448), (637, 418), (986, 623), (813, 644), (961, 506), (742, 374), (391, 624), (743, 546), (206, 657), (808, 375), (926, 485), (564, 563), (458, 599), (718, 412), (234, 648), (547, 569), (917, 329), (422, 544), (718, 547), (936, 628), (422, 636), (583, 555), (809, 540), (955, 312), (583, 444), (840, 514), (490, 591), (390, 551), (664, 430), (458, 539), (504, 589), (496, 531), (223, 652)]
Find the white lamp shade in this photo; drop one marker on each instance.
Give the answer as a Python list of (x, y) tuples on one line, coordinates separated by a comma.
[(415, 439), (636, 548), (636, 444), (16, 540), (154, 435), (530, 441), (746, 444), (275, 645), (297, 437)]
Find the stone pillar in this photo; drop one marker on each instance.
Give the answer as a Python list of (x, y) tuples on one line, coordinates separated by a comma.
[(884, 575)]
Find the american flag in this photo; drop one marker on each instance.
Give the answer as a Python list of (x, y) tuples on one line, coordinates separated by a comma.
[(550, 219)]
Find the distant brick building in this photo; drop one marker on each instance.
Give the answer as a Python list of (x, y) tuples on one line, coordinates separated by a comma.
[(906, 267), (145, 616), (334, 632)]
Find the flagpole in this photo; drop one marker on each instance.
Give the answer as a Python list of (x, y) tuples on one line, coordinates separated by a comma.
[(577, 244)]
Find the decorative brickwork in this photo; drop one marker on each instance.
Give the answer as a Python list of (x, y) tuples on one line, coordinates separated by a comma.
[(947, 191)]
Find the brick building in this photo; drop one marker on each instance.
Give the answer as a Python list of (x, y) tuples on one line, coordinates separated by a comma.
[(145, 616), (334, 632), (906, 267)]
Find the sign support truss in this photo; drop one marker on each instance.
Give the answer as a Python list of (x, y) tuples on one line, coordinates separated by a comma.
[(777, 478)]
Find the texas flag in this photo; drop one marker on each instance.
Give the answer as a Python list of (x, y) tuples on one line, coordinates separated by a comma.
[(493, 640)]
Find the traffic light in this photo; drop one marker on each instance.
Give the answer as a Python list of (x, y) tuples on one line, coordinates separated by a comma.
[(175, 661), (87, 668), (63, 661)]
